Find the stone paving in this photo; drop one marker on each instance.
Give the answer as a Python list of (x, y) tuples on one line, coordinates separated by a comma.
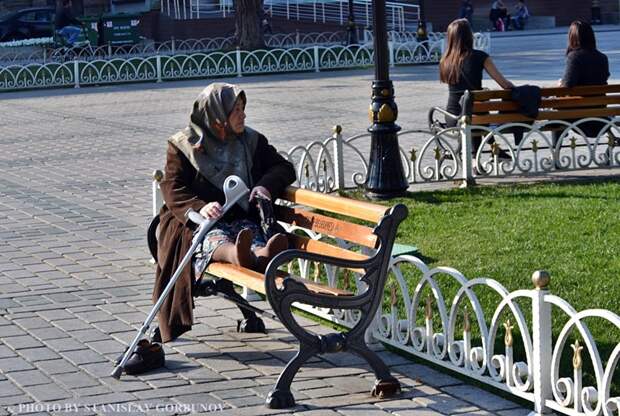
[(75, 276)]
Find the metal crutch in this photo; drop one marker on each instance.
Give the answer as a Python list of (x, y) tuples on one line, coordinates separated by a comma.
[(234, 189)]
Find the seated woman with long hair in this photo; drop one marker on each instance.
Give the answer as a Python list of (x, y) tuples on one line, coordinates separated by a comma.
[(585, 65), (462, 67)]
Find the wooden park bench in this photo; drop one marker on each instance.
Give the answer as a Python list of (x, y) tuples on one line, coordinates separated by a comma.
[(308, 210), (494, 112)]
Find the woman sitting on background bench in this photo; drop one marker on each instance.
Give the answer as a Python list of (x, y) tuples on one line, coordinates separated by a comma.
[(216, 144), (585, 65), (461, 67)]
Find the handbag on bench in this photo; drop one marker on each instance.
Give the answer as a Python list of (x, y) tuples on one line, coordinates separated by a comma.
[(268, 224)]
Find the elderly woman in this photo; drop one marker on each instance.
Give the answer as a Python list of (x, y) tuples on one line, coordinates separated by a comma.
[(215, 145)]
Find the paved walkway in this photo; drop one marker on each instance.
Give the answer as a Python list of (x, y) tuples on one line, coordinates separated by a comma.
[(75, 277)]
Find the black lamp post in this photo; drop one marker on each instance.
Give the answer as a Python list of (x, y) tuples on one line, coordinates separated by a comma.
[(421, 32), (386, 178), (351, 27)]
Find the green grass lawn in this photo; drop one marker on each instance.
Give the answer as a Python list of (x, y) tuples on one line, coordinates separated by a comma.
[(507, 232)]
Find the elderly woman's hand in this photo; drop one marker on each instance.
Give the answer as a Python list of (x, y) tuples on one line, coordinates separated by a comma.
[(212, 210), (260, 191)]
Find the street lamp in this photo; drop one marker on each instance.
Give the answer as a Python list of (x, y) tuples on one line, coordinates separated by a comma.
[(351, 28), (386, 178)]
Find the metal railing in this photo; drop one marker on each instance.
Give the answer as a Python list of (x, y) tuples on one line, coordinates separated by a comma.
[(446, 155), (400, 16), (9, 56)]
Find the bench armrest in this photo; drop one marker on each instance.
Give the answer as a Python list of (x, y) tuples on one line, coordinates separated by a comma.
[(296, 254), (433, 122)]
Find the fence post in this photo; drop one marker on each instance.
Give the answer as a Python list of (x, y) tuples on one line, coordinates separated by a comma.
[(317, 64), (297, 37), (158, 60), (466, 157), (44, 55), (391, 50), (157, 200), (109, 49), (542, 342), (76, 73), (173, 46), (338, 158), (238, 56)]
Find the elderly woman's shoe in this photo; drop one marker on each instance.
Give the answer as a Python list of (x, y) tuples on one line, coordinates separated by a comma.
[(276, 244), (147, 356)]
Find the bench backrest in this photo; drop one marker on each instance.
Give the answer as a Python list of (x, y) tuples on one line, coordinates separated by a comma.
[(303, 214), (497, 107)]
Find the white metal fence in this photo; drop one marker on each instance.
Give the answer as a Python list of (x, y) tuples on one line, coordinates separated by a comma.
[(510, 346), (400, 16), (170, 47), (446, 156), (179, 65)]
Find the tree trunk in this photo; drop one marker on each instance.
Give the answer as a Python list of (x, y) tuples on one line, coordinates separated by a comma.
[(248, 28), (77, 7)]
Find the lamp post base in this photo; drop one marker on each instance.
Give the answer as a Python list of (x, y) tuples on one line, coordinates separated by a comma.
[(386, 178)]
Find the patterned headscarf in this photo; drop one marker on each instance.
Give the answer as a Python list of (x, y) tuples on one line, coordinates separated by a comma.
[(213, 157), (213, 105)]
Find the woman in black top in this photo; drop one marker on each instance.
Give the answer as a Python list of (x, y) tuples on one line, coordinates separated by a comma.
[(461, 67), (585, 65)]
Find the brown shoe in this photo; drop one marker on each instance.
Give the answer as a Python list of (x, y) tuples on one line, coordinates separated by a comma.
[(276, 244), (243, 249)]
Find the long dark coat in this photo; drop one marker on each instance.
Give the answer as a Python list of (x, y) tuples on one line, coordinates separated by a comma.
[(184, 187)]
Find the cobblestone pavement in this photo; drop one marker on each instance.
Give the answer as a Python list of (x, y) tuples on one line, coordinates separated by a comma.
[(75, 277)]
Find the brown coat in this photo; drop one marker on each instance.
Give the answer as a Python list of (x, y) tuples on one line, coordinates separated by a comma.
[(184, 187)]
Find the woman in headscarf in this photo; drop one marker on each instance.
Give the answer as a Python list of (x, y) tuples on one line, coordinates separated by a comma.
[(215, 145)]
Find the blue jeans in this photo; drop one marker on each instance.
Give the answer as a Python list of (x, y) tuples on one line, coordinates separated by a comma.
[(70, 33)]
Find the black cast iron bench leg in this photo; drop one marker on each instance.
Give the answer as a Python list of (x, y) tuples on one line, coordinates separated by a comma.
[(280, 397), (385, 385)]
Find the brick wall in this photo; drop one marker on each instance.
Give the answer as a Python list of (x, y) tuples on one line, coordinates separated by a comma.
[(160, 27), (91, 7)]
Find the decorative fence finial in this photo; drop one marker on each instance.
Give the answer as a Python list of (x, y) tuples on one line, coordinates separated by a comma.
[(495, 149), (466, 323), (337, 129), (347, 279), (158, 175), (573, 143), (428, 310), (541, 279), (393, 298), (577, 361), (437, 153), (508, 336)]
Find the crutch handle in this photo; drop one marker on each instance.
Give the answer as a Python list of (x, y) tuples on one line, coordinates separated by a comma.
[(194, 217)]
